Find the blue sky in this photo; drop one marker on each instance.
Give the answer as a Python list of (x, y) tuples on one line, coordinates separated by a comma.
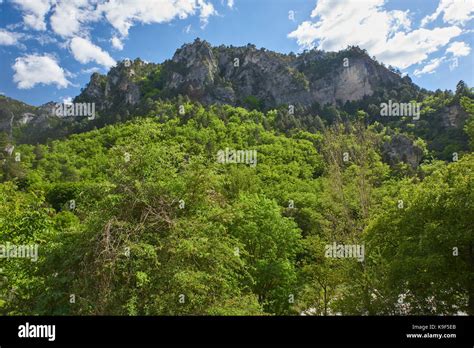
[(49, 48)]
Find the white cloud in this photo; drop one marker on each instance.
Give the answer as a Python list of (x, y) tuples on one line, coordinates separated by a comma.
[(459, 49), (123, 14), (340, 23), (385, 34), (69, 16), (85, 51), (305, 34), (430, 67), (400, 20), (230, 3), (404, 50), (117, 43), (8, 38), (43, 39), (34, 12), (90, 70), (207, 10), (31, 70), (454, 12)]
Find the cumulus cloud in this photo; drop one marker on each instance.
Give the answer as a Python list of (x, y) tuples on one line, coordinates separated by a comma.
[(339, 23), (406, 49), (457, 12), (123, 14), (8, 38), (206, 10), (117, 43), (85, 51), (385, 34), (34, 12), (31, 70), (459, 49), (69, 16), (230, 3), (305, 34), (430, 67)]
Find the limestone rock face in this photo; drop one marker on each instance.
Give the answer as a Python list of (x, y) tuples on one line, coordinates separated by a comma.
[(117, 88), (199, 66), (14, 113), (120, 85), (26, 117), (401, 149), (231, 74), (454, 116), (95, 87)]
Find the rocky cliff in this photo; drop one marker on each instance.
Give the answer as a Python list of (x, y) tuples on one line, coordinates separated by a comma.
[(231, 75), (14, 113)]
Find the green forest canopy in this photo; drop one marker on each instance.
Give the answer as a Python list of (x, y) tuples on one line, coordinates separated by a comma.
[(139, 218)]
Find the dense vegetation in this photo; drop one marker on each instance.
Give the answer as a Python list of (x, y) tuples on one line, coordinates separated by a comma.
[(139, 218)]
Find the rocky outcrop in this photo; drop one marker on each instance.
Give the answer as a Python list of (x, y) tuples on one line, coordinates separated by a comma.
[(121, 86), (230, 75), (454, 116), (95, 89), (400, 148), (116, 89), (14, 113), (31, 119)]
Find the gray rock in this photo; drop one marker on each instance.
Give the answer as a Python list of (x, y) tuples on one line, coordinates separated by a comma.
[(400, 148), (454, 116)]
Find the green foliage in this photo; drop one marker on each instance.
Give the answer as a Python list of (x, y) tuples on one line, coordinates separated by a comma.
[(422, 253), (271, 243), (468, 106), (253, 103), (160, 227)]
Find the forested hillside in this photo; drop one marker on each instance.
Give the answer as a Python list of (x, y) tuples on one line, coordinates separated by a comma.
[(143, 217)]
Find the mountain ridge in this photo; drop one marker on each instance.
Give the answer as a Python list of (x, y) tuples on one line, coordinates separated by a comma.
[(232, 75), (320, 88)]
